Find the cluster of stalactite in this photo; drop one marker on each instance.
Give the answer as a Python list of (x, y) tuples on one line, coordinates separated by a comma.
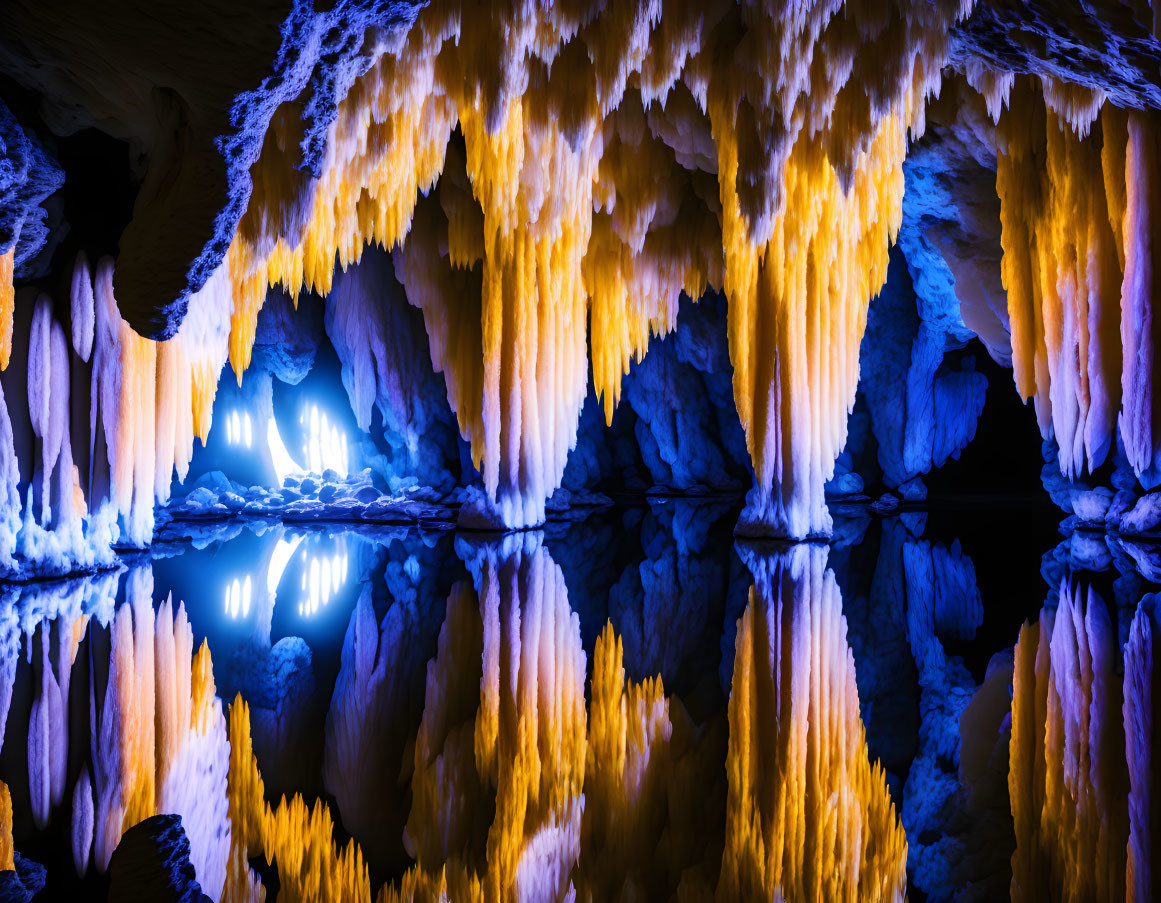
[(597, 162), (519, 790), (1078, 182), (108, 420), (1082, 767)]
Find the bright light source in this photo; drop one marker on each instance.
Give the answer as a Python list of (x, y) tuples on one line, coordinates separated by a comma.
[(325, 446)]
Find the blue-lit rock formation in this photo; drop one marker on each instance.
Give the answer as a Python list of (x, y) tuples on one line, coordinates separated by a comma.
[(199, 118), (28, 175), (376, 709), (667, 608), (923, 411), (687, 429), (151, 863), (24, 883), (396, 396)]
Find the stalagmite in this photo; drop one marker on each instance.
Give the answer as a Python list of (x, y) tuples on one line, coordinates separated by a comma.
[(808, 816)]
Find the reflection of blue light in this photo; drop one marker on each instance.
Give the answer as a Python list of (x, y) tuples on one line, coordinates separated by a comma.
[(279, 559), (323, 576), (324, 571)]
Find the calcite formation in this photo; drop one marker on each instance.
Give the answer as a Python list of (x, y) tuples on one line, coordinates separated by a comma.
[(1081, 778), (808, 815), (552, 181), (1078, 268)]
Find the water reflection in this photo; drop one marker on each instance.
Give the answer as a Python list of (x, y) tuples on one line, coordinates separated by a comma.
[(625, 707)]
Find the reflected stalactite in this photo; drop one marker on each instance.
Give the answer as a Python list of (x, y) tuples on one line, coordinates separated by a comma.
[(296, 837), (1068, 781), (159, 738), (505, 739), (1142, 700), (374, 709), (808, 815), (627, 781)]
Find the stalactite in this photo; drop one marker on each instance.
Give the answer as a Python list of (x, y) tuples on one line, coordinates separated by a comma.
[(7, 852), (1078, 268), (595, 206), (808, 816), (147, 402)]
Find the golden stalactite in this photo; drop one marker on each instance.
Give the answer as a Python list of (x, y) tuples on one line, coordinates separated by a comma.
[(808, 816), (7, 302), (386, 144), (1078, 269), (652, 239), (592, 213), (797, 312)]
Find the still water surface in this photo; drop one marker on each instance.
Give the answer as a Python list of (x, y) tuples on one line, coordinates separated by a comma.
[(946, 705)]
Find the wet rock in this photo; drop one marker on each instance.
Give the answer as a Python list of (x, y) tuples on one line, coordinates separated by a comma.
[(1145, 516), (1091, 505), (24, 883), (1122, 502), (151, 863)]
